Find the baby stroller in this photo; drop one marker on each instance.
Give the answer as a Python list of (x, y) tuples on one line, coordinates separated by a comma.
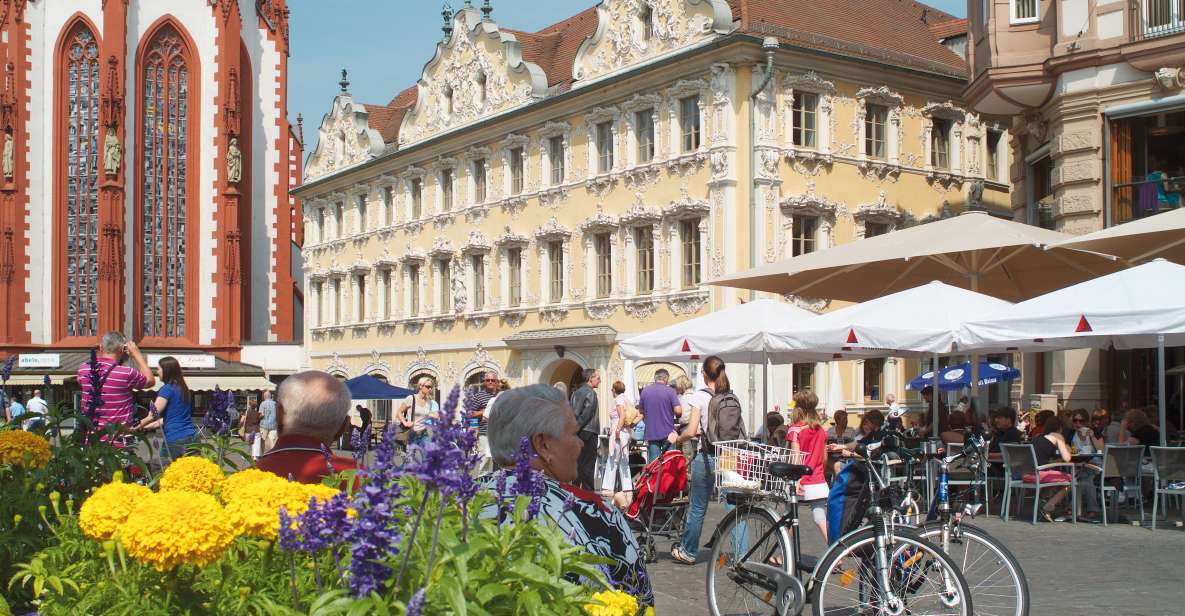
[(659, 508)]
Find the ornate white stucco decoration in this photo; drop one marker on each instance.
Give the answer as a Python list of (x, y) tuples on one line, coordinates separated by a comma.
[(599, 222), (476, 243), (946, 110), (685, 205), (337, 366), (510, 238), (640, 213), (1170, 78), (552, 229), (812, 204), (344, 139), (376, 364), (879, 211), (481, 68), (687, 304), (442, 247), (620, 40)]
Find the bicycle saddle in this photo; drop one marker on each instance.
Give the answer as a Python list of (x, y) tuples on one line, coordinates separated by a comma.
[(791, 472)]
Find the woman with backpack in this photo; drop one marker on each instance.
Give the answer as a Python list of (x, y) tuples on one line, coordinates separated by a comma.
[(717, 396), (806, 434), (622, 416)]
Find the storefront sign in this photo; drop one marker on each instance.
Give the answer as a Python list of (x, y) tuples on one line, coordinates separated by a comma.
[(39, 360), (191, 361)]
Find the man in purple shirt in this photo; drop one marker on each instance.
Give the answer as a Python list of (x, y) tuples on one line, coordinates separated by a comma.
[(660, 407)]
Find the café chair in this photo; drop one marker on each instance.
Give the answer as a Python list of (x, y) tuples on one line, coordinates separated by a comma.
[(1121, 464), (1020, 463), (1168, 467)]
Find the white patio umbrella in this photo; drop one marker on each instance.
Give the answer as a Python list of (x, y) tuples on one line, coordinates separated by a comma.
[(1138, 241), (833, 398), (1140, 307), (921, 320), (739, 334)]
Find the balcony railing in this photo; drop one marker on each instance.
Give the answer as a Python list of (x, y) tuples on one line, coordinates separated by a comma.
[(1144, 198), (1162, 17)]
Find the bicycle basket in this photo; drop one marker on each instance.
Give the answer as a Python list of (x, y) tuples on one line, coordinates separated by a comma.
[(743, 466)]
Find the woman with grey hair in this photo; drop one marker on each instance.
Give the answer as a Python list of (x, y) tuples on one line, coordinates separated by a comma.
[(541, 415)]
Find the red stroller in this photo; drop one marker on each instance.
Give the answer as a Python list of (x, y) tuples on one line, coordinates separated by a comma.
[(659, 508)]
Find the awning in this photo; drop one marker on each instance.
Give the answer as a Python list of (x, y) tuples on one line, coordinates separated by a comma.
[(35, 379), (645, 373), (232, 383)]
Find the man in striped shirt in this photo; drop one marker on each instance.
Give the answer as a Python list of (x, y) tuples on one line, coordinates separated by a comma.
[(114, 381), (477, 402)]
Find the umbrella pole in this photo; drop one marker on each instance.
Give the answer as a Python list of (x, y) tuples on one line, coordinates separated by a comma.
[(1160, 401), (764, 388), (934, 400)]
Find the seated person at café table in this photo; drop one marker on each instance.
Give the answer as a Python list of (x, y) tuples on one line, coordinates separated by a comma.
[(840, 431), (1004, 422), (954, 432), (870, 432), (1103, 427), (1137, 429), (1039, 423), (1049, 448)]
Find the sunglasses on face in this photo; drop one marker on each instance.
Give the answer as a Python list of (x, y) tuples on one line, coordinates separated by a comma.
[(425, 387), (1078, 420), (491, 380)]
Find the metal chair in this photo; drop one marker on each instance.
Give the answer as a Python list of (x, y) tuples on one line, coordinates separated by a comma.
[(1022, 459), (1121, 462), (1168, 466), (961, 475)]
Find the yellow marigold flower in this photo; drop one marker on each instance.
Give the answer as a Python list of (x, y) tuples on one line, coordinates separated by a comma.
[(612, 603), (105, 510), (190, 474), (17, 445), (253, 501), (174, 527)]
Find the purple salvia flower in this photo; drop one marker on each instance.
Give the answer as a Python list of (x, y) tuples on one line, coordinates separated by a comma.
[(324, 523), (217, 417), (446, 459), (289, 537), (250, 438), (47, 381), (415, 607), (6, 372), (569, 502), (358, 445), (528, 481), (325, 453)]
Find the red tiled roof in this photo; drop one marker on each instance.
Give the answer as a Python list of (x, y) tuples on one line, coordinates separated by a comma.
[(878, 29), (947, 29), (887, 30)]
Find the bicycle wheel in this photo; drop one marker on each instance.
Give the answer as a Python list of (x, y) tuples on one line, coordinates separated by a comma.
[(998, 585), (922, 579), (734, 588)]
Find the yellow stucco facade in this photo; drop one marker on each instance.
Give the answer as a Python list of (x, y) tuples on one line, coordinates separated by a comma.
[(608, 205)]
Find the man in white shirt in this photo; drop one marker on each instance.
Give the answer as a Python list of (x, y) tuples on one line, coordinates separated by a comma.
[(38, 408)]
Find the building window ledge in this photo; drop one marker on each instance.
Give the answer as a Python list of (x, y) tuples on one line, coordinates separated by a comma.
[(688, 301), (879, 168), (688, 162), (641, 308)]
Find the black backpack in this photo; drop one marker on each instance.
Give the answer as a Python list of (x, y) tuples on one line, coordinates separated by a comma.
[(726, 420)]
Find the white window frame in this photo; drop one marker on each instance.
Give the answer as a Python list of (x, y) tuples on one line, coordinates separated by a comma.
[(479, 186), (810, 83), (361, 210), (387, 193), (508, 274), (413, 288), (442, 279), (1012, 10), (594, 119), (893, 104), (681, 239), (415, 197), (339, 220), (477, 283), (447, 197)]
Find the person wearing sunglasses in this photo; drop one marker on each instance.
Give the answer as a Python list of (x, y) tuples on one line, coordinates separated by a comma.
[(477, 407), (419, 410)]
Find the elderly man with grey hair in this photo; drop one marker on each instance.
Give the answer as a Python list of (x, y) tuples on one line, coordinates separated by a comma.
[(108, 385), (588, 415), (312, 412)]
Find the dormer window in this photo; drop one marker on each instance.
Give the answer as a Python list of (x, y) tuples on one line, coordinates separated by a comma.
[(646, 16), (481, 87), (448, 99)]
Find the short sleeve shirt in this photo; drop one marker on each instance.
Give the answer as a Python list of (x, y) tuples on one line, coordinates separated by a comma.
[(658, 402), (267, 411), (812, 441), (116, 395), (178, 423), (699, 399)]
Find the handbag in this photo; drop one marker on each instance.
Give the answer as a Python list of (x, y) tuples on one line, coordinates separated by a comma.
[(403, 435), (631, 416)]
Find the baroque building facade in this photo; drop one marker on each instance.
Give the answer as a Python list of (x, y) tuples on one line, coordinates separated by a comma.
[(536, 197), (147, 162)]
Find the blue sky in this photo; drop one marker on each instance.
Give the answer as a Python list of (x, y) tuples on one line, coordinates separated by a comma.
[(385, 44)]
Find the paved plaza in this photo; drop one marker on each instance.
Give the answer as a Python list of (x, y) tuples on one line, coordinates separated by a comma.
[(1119, 570)]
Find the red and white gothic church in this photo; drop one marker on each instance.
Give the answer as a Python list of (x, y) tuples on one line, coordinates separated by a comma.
[(147, 161)]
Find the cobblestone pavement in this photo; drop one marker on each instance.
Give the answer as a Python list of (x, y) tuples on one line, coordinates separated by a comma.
[(1072, 569)]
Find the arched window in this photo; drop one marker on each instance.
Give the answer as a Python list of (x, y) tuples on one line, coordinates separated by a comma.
[(79, 141), (164, 181)]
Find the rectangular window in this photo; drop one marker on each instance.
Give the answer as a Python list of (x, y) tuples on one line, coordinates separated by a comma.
[(993, 155), (445, 291), (1164, 17), (514, 265), (1024, 11), (360, 310), (804, 377), (318, 302), (555, 155), (603, 246), (689, 235), (385, 281), (479, 180), (516, 171), (321, 225), (644, 241), (874, 379), (360, 227), (388, 206), (644, 128), (802, 235), (555, 262), (604, 147), (478, 264), (804, 115), (339, 229), (689, 122), (873, 229), (413, 289), (446, 190), (876, 118), (940, 144), (646, 16), (336, 290), (417, 198)]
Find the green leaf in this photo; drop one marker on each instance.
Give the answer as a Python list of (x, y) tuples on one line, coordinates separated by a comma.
[(531, 602), (531, 571), (452, 591), (491, 590)]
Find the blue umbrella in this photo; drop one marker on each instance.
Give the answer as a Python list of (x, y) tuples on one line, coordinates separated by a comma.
[(958, 376)]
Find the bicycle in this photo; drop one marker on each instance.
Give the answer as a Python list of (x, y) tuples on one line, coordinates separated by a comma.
[(877, 569), (998, 584)]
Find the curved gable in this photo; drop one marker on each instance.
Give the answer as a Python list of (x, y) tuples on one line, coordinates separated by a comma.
[(619, 41), (475, 49), (344, 138)]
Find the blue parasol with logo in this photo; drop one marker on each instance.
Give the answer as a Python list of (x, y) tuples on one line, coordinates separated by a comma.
[(956, 377)]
